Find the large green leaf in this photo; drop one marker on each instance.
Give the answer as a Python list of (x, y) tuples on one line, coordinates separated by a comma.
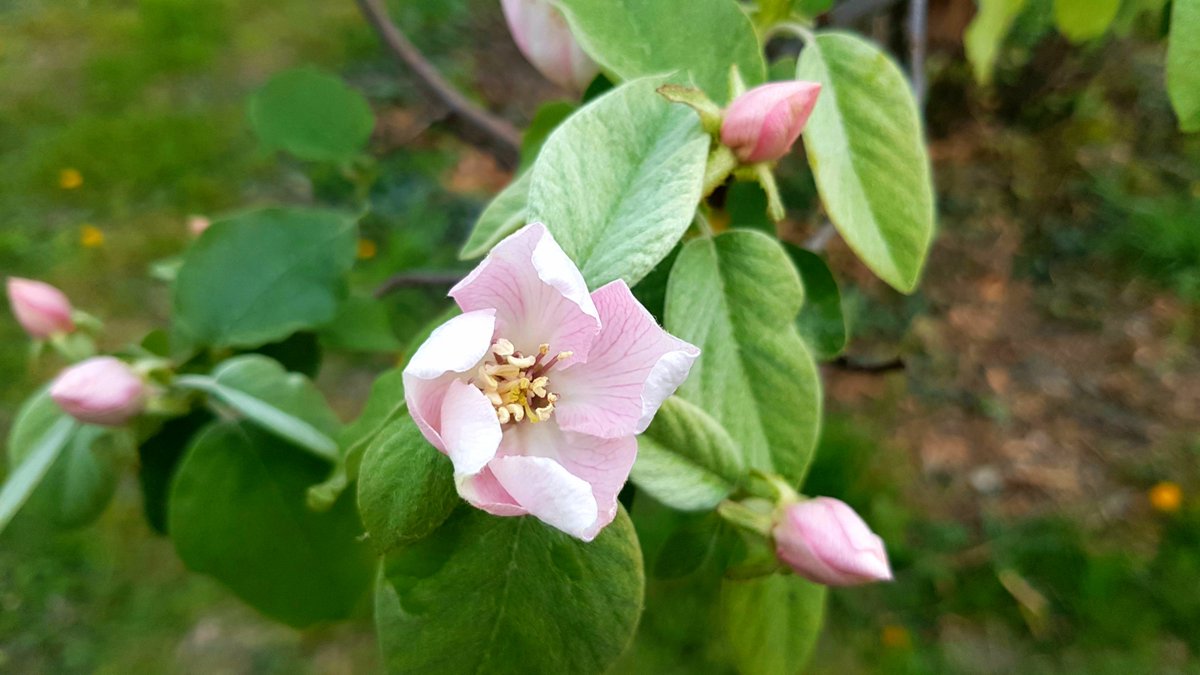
[(405, 487), (867, 153), (312, 115), (286, 404), (38, 437), (686, 459), (1183, 63), (237, 513), (772, 622), (702, 38), (158, 460), (1081, 20), (503, 216), (736, 297), (986, 32), (821, 321), (361, 325), (80, 482), (618, 183), (262, 275), (494, 595)]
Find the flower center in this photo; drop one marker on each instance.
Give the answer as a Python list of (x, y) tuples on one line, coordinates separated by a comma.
[(517, 385)]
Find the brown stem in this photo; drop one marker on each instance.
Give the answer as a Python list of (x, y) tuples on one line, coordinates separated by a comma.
[(416, 280), (844, 364), (475, 124)]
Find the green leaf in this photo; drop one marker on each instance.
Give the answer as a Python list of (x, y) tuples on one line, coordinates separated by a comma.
[(686, 459), (1183, 63), (986, 32), (867, 153), (286, 404), (545, 120), (736, 297), (405, 487), (821, 322), (39, 442), (505, 215), (700, 38), (772, 622), (510, 595), (158, 460), (79, 484), (262, 275), (361, 325), (312, 115), (237, 513), (1082, 20), (618, 183)]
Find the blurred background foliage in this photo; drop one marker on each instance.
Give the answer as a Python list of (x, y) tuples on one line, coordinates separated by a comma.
[(1033, 466)]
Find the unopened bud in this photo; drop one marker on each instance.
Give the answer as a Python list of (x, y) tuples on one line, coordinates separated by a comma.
[(101, 390), (41, 309), (825, 541), (543, 36), (762, 124)]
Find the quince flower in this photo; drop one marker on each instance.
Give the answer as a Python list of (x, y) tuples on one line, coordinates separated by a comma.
[(537, 390)]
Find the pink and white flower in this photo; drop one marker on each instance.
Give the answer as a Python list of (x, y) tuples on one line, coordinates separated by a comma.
[(544, 38), (537, 390)]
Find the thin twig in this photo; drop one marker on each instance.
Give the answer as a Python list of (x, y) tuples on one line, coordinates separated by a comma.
[(821, 238), (416, 280), (477, 125), (878, 367), (849, 12), (918, 38)]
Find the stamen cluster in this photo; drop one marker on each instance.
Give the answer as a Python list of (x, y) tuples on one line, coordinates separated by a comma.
[(516, 384)]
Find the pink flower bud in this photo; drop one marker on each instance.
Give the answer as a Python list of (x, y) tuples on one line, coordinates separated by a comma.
[(762, 124), (197, 225), (825, 541), (542, 35), (101, 390), (41, 309)]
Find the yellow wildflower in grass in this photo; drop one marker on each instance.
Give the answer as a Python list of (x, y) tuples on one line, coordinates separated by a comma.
[(69, 179), (1166, 497), (367, 249), (895, 637), (90, 236)]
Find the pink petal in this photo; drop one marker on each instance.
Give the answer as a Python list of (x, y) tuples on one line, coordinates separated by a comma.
[(455, 347), (483, 491), (537, 292), (603, 463), (633, 366), (469, 427), (548, 491)]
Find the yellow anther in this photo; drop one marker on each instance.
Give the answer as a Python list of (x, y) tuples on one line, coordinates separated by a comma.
[(543, 413), (538, 386), (503, 348), (503, 415), (552, 397), (522, 361), (517, 411), (562, 356), (494, 398), (544, 348)]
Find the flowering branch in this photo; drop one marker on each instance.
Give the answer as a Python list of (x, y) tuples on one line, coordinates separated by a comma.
[(475, 124)]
